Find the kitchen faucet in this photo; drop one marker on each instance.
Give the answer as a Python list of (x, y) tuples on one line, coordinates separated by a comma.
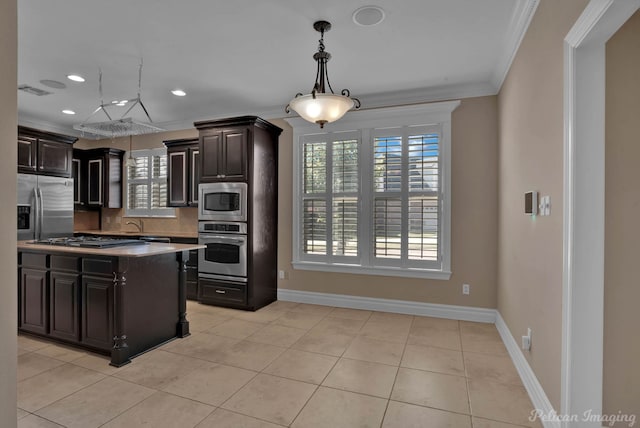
[(138, 226)]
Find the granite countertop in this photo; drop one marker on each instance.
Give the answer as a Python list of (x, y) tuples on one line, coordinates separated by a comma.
[(136, 233), (150, 249)]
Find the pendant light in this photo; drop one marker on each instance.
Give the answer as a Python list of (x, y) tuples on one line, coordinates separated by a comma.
[(130, 161), (320, 106)]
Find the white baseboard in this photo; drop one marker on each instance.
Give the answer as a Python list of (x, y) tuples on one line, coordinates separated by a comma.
[(464, 313), (538, 397)]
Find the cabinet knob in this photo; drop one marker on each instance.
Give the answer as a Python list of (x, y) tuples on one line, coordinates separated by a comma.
[(222, 176)]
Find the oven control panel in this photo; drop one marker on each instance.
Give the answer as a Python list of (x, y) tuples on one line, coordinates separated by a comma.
[(222, 227)]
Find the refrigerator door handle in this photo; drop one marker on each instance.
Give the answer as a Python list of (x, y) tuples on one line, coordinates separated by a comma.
[(41, 213), (36, 214)]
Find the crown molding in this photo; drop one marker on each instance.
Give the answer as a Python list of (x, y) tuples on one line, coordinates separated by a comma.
[(518, 26)]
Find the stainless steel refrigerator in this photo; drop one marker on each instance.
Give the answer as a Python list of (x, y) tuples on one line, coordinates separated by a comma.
[(45, 207)]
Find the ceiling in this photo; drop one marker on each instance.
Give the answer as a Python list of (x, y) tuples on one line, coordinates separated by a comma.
[(251, 57)]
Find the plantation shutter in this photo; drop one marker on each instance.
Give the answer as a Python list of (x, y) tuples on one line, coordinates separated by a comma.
[(147, 184)]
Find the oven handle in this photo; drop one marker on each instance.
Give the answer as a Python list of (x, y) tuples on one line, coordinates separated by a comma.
[(217, 239), (222, 277)]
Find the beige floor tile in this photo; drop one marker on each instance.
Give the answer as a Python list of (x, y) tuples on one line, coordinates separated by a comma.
[(22, 413), (32, 364), (339, 325), (158, 368), (399, 319), (480, 328), (278, 335), (352, 314), (363, 377), (389, 331), (250, 355), (312, 309), (162, 410), (303, 366), (33, 421), (202, 321), (271, 398), (204, 346), (99, 363), (96, 404), (501, 402), (486, 423), (439, 338), (324, 342), (282, 305), (433, 359), (438, 332), (483, 344), (31, 343), (22, 351), (225, 419), (62, 353), (376, 351), (211, 384), (236, 328), (491, 367), (411, 416), (262, 316), (341, 409), (441, 391), (43, 389), (298, 320)]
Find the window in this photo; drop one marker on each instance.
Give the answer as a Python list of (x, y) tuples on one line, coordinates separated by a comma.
[(373, 193), (147, 184)]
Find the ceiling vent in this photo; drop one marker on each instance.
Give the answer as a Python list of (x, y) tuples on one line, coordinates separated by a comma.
[(34, 91)]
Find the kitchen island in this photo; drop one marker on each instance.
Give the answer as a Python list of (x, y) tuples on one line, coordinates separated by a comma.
[(119, 301)]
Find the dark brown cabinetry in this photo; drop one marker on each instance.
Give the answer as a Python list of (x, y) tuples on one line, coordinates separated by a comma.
[(34, 311), (44, 153), (245, 149), (183, 158), (224, 153), (64, 305), (97, 311), (98, 178)]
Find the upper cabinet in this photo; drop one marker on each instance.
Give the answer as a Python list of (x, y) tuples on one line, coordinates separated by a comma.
[(98, 178), (224, 150), (183, 157), (44, 153)]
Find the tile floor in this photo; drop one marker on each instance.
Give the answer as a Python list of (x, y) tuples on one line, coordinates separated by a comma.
[(288, 364)]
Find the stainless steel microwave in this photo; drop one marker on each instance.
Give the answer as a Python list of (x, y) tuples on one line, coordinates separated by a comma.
[(222, 201)]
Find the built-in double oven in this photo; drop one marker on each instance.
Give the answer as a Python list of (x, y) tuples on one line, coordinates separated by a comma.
[(222, 229)]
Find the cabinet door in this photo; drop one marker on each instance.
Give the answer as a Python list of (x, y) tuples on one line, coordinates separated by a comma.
[(194, 176), (178, 180), (76, 174), (112, 190), (27, 149), (234, 155), (97, 312), (54, 157), (34, 312), (63, 306), (211, 147), (222, 292), (94, 177)]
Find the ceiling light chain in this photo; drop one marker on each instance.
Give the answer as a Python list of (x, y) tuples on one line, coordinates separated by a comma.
[(319, 106)]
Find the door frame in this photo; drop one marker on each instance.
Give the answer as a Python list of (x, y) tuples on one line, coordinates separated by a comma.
[(584, 209)]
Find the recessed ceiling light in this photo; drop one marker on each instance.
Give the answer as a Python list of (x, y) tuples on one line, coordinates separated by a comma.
[(178, 92), (75, 78), (53, 84), (367, 16), (67, 111)]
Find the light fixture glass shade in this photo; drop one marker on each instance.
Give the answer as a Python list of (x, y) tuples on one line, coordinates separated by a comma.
[(321, 108)]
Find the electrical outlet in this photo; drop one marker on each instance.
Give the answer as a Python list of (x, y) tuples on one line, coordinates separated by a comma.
[(466, 288), (282, 274), (526, 341)]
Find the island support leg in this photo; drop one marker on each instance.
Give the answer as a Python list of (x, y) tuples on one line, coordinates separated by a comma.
[(120, 350), (183, 324)]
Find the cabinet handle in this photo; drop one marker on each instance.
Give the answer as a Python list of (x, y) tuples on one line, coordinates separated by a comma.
[(221, 292), (222, 176)]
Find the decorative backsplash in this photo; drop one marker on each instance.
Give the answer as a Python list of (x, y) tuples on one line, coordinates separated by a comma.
[(113, 220)]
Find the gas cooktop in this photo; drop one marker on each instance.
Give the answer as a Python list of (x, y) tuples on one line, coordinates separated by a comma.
[(90, 242)]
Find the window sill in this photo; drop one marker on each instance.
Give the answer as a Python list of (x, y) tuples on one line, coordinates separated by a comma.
[(381, 271)]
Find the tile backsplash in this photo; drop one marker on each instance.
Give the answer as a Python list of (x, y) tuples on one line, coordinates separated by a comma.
[(185, 221)]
